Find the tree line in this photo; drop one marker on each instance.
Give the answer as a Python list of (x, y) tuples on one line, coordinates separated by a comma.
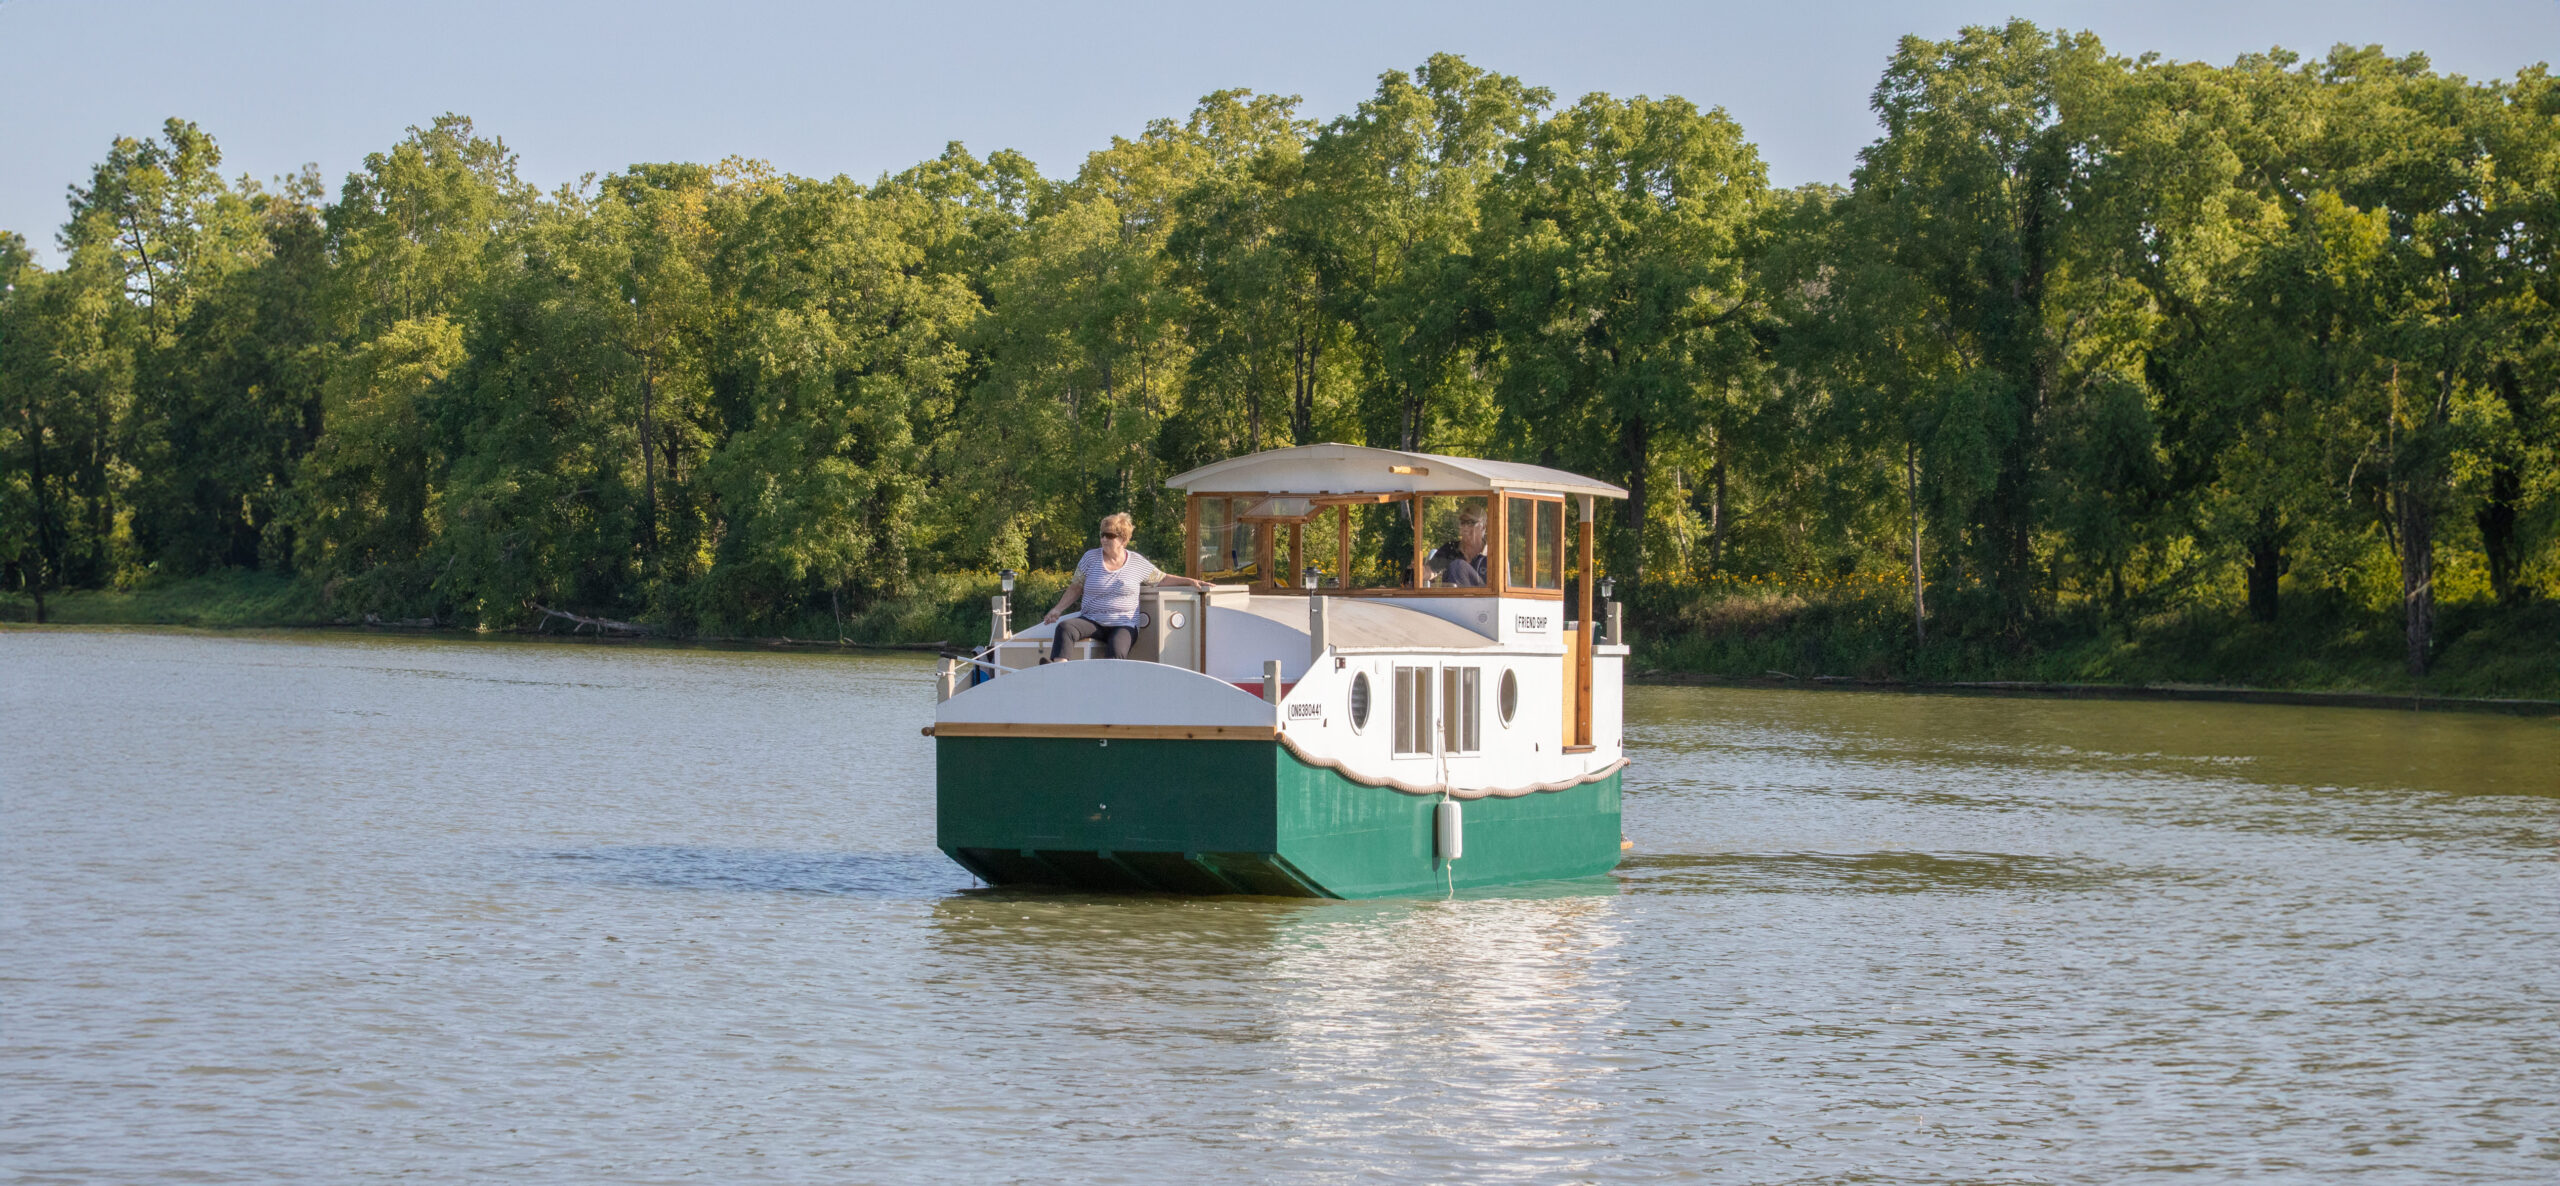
[(2084, 333)]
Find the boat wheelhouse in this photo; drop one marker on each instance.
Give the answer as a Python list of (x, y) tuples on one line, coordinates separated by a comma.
[(1372, 699)]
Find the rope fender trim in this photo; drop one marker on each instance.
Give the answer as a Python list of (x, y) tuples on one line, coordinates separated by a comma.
[(1462, 793)]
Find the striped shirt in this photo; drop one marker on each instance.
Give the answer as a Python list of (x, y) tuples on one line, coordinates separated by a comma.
[(1111, 598)]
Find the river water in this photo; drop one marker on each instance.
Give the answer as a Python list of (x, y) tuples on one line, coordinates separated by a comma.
[(329, 908)]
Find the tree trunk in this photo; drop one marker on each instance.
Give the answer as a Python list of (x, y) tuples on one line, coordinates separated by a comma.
[(1715, 507), (1253, 402), (2013, 492), (2266, 563), (2497, 517), (36, 475), (1302, 394), (2417, 574), (1919, 582), (648, 448), (1635, 451)]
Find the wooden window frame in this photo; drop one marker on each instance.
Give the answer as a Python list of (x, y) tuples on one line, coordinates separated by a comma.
[(1502, 561), (1262, 550), (1415, 687), (1340, 505), (1462, 710)]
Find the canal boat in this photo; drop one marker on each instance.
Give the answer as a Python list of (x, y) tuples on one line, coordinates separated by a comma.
[(1394, 685)]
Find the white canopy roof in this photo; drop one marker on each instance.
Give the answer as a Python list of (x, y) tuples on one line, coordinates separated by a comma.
[(1354, 469)]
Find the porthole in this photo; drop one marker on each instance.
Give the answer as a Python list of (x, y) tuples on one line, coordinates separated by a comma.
[(1176, 620), (1510, 697), (1360, 701)]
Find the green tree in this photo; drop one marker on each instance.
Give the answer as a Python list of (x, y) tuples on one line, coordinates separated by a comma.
[(413, 237), (1617, 260), (154, 232), (239, 399), (1389, 205), (29, 502), (845, 345), (1259, 325), (1986, 137)]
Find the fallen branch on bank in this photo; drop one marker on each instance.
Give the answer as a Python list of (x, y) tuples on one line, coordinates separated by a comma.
[(581, 621)]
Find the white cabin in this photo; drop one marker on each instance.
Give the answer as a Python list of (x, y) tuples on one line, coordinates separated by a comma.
[(1395, 666)]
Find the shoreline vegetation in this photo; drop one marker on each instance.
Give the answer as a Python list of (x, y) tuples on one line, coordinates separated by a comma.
[(2103, 370), (2496, 662)]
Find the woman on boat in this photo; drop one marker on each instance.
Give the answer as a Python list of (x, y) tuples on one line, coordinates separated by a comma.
[(1108, 581), (1460, 562)]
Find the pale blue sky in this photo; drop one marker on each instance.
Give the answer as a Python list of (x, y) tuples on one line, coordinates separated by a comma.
[(862, 88)]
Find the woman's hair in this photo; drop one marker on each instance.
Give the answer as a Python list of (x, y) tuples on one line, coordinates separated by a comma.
[(1470, 513), (1119, 524)]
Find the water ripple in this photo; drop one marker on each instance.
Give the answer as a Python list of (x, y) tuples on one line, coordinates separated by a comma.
[(759, 870), (278, 909)]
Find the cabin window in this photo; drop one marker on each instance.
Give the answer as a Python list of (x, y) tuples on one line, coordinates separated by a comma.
[(1509, 698), (1457, 541), (1520, 521), (1321, 544), (1551, 545), (1357, 541), (1382, 545), (1413, 710), (1225, 548), (1534, 555), (1359, 702), (1462, 709)]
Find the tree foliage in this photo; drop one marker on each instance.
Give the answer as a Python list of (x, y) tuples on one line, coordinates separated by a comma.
[(2085, 335)]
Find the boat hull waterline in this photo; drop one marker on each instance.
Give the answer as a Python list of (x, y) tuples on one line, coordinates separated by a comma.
[(1241, 817)]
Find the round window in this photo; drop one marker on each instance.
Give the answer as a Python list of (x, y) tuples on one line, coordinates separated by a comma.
[(1360, 701), (1510, 698), (1176, 620)]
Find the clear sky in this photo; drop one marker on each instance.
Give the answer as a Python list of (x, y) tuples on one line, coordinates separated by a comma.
[(576, 85)]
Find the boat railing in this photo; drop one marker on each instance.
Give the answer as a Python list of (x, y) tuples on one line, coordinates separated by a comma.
[(1172, 630)]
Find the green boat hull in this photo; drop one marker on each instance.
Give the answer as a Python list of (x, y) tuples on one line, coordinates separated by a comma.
[(1238, 817)]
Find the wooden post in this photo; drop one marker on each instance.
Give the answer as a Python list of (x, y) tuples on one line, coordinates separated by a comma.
[(1342, 548), (1297, 556), (1570, 687), (1582, 638), (1420, 553), (1191, 537)]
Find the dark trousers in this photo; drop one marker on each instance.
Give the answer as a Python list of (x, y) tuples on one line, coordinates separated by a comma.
[(1116, 640)]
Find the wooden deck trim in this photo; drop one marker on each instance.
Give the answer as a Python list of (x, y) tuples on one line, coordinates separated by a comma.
[(1104, 732)]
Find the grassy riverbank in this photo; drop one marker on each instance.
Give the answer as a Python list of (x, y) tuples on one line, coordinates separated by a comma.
[(223, 600), (950, 607), (2319, 644)]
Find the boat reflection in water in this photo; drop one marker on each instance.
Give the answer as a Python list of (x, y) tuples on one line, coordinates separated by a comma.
[(1409, 1037)]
